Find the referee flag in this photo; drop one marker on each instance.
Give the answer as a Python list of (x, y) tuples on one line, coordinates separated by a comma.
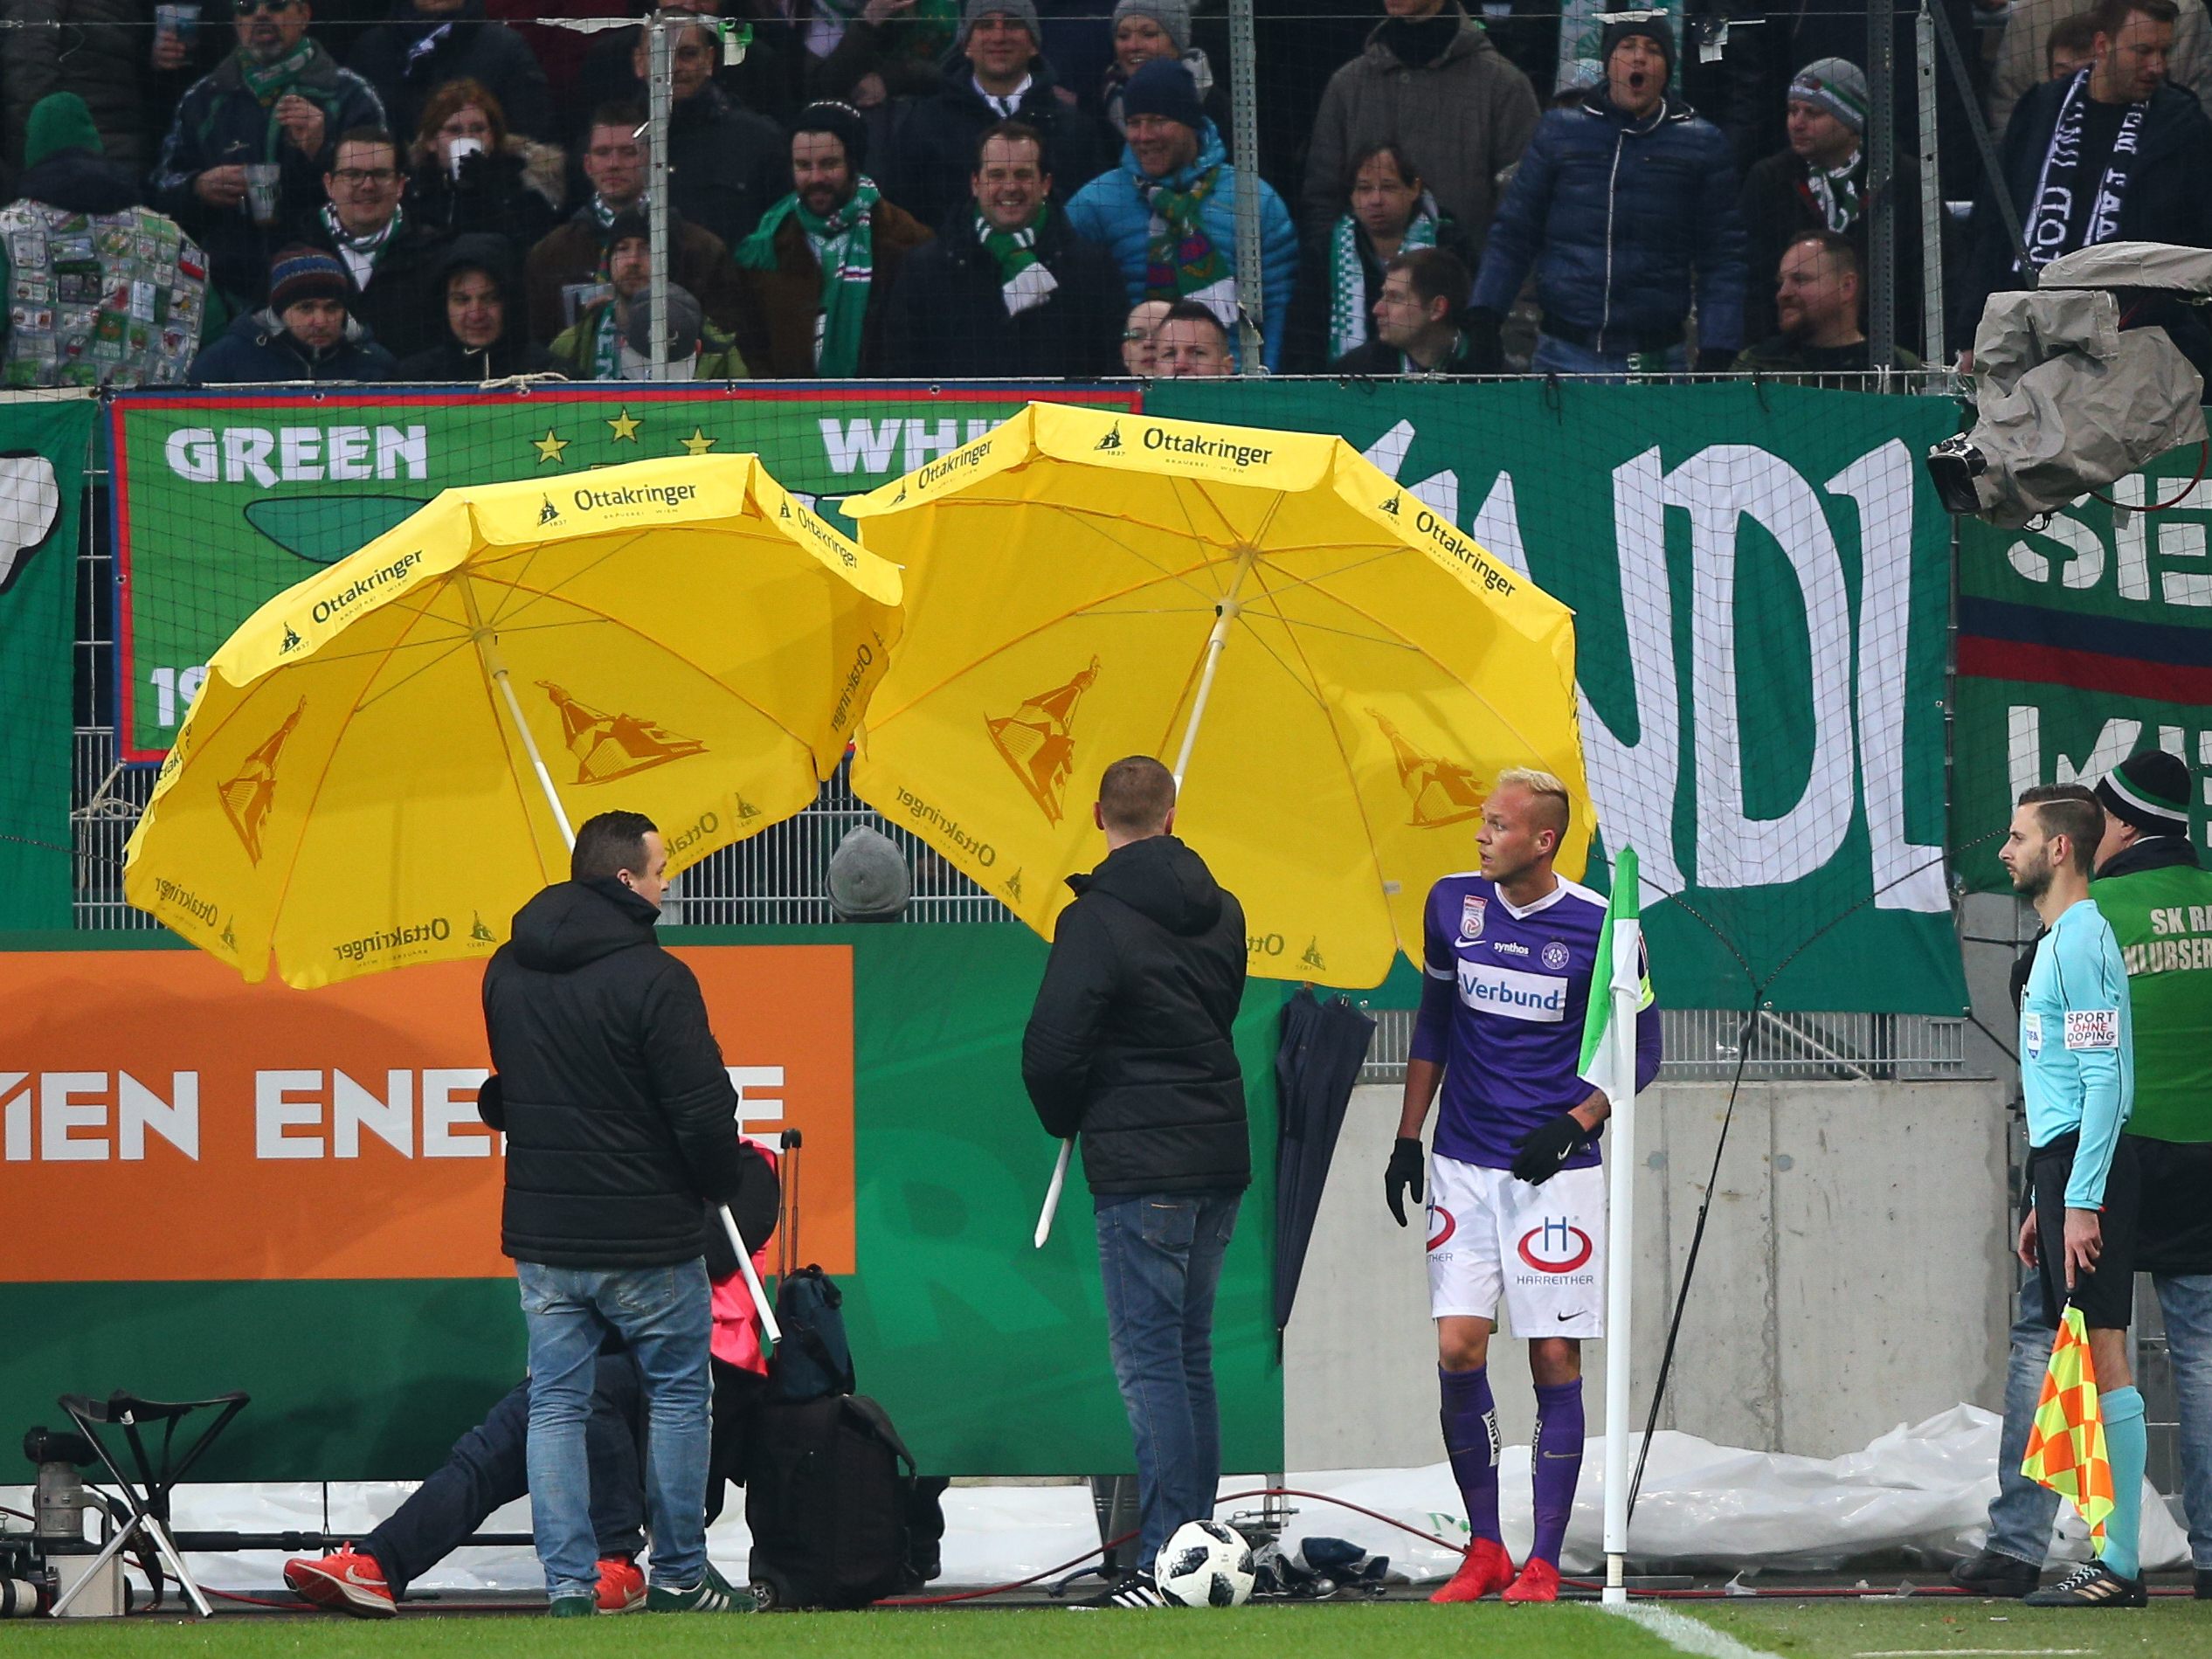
[(1609, 1024), (2066, 1446)]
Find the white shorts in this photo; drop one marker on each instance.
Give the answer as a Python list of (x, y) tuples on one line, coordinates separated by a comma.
[(1543, 1246)]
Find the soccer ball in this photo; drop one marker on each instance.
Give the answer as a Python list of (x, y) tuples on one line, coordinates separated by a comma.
[(1205, 1564)]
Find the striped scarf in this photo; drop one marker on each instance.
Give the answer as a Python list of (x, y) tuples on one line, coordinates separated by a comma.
[(1349, 305), (844, 245)]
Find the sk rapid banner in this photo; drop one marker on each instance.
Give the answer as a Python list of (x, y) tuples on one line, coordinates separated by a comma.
[(42, 440), (2079, 644), (226, 499), (1759, 578)]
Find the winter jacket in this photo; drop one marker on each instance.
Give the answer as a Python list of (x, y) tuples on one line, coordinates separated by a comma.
[(403, 303), (2021, 57), (726, 166), (570, 257), (1111, 211), (573, 350), (933, 153), (1128, 1042), (256, 350), (617, 1109), (776, 318), (1307, 350), (1463, 118), (2167, 198), (948, 316), (94, 48), (219, 123), (80, 182), (412, 56), (1624, 221), (1778, 205), (512, 353), (513, 192)]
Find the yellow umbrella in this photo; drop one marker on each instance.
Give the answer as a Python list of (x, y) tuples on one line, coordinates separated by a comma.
[(386, 760), (1339, 671)]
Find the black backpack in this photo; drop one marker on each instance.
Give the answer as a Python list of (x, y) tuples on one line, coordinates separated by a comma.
[(839, 1517), (813, 1358)]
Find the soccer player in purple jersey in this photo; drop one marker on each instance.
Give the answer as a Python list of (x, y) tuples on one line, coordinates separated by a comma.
[(1516, 1195)]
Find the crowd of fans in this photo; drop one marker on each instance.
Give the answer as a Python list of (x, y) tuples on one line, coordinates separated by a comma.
[(1035, 188)]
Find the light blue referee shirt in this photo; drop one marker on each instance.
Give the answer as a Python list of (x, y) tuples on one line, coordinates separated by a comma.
[(2077, 1046)]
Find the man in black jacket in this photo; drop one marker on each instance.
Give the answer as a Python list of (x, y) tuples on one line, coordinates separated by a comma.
[(1130, 1044), (617, 1113), (1006, 289)]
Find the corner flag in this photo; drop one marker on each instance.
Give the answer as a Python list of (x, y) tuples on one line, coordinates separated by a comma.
[(1609, 1025), (2066, 1445)]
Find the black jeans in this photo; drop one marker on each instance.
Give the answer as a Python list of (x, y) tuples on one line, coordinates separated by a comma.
[(489, 1466)]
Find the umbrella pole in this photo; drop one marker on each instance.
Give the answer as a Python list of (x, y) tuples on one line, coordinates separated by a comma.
[(1224, 614), (487, 650), (487, 644)]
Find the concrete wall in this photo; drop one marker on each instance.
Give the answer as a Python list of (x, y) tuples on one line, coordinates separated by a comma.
[(1854, 1275)]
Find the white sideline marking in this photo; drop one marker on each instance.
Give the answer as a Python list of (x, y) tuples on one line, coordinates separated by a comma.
[(1679, 1630)]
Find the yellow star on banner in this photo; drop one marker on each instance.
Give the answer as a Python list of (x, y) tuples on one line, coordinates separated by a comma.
[(624, 427), (549, 448), (698, 443)]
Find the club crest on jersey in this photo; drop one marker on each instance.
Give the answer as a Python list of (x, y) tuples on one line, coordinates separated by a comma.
[(1555, 955), (1470, 918)]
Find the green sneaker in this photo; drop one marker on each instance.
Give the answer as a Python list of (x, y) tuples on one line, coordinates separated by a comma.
[(572, 1606), (713, 1594)]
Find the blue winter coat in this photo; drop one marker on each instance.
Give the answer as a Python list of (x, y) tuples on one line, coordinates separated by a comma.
[(257, 350), (1110, 211), (1616, 216)]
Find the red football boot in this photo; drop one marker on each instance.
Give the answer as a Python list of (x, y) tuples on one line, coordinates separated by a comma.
[(1487, 1570), (1539, 1581)]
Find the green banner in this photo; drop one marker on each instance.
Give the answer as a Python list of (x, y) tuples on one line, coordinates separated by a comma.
[(44, 439), (1759, 575), (990, 1355), (2079, 644), (230, 497)]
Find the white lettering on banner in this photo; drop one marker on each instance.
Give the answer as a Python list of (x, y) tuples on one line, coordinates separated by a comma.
[(2183, 566), (274, 1111), (296, 454), (176, 1120), (289, 1114), (1539, 998), (73, 1117), (755, 1104), (873, 446), (61, 1110), (15, 1117), (391, 1120), (2116, 740), (450, 1127)]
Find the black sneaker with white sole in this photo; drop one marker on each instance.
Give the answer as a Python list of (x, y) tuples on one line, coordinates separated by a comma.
[(2090, 1585), (1136, 1590), (1994, 1574)]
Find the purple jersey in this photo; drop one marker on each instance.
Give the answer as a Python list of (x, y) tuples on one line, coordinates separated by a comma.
[(1503, 1011)]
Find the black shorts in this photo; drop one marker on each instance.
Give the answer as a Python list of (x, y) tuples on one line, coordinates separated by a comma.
[(2106, 1297)]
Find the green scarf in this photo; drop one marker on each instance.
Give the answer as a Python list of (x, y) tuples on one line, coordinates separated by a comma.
[(1015, 251), (270, 81), (1349, 312), (605, 342), (1179, 257), (844, 246)]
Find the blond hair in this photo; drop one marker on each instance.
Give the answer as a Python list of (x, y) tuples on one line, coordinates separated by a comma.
[(1554, 803)]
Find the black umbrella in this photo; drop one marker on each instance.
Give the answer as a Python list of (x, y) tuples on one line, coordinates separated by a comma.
[(1324, 1046)]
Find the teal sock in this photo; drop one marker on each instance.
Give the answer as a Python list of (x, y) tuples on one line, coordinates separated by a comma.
[(2127, 1445)]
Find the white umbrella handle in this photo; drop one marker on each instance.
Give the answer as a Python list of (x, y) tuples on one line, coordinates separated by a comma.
[(1052, 1194), (752, 1280)]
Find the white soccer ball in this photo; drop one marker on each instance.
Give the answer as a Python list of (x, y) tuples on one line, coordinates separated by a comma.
[(1205, 1564)]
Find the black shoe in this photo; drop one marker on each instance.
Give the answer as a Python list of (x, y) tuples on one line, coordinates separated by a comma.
[(1991, 1573), (2204, 1584), (2091, 1585), (1952, 465), (1136, 1589)]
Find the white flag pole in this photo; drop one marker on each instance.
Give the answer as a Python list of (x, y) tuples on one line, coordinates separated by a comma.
[(1625, 990)]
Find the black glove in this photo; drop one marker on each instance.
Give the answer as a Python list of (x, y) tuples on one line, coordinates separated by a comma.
[(1404, 1176), (1714, 362), (1542, 1151), (1485, 353)]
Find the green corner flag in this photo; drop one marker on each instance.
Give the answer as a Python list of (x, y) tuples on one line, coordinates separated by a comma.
[(1609, 1024)]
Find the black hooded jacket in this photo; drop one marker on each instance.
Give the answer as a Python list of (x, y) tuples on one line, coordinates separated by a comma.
[(79, 182), (1129, 1041), (512, 353), (611, 1092)]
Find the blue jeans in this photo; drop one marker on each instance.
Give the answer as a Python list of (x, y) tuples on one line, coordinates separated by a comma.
[(665, 1317), (489, 1466), (1160, 1255), (2020, 1518), (1557, 357)]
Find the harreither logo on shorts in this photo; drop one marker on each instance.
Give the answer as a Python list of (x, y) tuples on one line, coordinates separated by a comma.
[(1540, 998)]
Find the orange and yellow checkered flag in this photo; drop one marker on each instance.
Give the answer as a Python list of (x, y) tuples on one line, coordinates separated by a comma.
[(2066, 1446)]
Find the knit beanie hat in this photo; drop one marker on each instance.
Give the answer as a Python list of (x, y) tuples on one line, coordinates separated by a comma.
[(301, 273), (1163, 88), (868, 881), (1022, 11), (1836, 84), (2150, 790), (59, 120), (1173, 16), (843, 123), (1654, 26)]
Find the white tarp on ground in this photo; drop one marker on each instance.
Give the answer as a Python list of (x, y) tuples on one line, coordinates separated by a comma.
[(1923, 1488)]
